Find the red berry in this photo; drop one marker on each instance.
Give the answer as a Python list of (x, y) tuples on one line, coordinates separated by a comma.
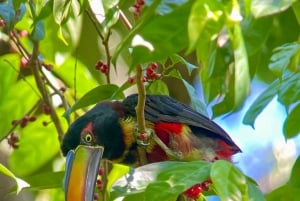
[(104, 69), (101, 171), (143, 136), (131, 80), (45, 123), (99, 183), (32, 118), (23, 33), (98, 65), (49, 67), (153, 65), (144, 79), (2, 23), (24, 121), (46, 109), (96, 196), (14, 122), (13, 140), (193, 192), (140, 2), (63, 89), (24, 62)]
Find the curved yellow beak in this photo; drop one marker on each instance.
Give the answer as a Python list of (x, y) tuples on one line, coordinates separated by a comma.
[(82, 166)]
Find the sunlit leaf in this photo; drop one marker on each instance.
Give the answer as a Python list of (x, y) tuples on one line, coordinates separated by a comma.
[(296, 8), (229, 182), (291, 126), (46, 180), (164, 34), (175, 58), (103, 92), (61, 10), (20, 183), (260, 103), (281, 58), (205, 20), (37, 143), (289, 92), (262, 8), (158, 87)]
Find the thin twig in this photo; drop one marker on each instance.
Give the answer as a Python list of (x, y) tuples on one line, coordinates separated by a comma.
[(35, 66), (36, 105)]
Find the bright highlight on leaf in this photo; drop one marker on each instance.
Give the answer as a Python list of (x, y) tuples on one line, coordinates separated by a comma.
[(20, 183)]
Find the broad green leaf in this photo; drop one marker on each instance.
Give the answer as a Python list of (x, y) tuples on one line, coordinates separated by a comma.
[(46, 180), (254, 193), (260, 103), (158, 87), (10, 104), (229, 183), (20, 183), (195, 101), (295, 174), (262, 8), (296, 8), (241, 68), (256, 32), (163, 35), (61, 10), (281, 58), (176, 58), (144, 19), (289, 92), (175, 180), (206, 19), (74, 70), (116, 173), (238, 84), (103, 92), (291, 126), (38, 144)]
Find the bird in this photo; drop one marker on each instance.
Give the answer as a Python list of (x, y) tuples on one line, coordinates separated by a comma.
[(176, 132)]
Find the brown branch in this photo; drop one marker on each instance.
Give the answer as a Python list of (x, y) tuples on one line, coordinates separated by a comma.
[(35, 67), (140, 114)]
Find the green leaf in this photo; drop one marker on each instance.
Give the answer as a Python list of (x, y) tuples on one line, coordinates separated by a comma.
[(281, 58), (205, 20), (103, 92), (241, 68), (260, 103), (291, 125), (255, 32), (158, 87), (289, 92), (162, 36), (228, 181), (176, 179), (296, 8), (176, 58), (61, 10), (195, 101), (37, 143), (116, 173), (263, 8), (38, 32), (295, 174), (20, 183), (254, 192)]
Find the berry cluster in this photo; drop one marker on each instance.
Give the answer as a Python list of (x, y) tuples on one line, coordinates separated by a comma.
[(13, 140), (136, 8), (102, 67), (150, 74), (24, 121), (99, 183), (194, 192)]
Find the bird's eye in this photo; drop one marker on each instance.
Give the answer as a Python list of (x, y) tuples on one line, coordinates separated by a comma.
[(87, 138)]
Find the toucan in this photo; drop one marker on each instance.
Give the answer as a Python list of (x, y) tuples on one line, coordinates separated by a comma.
[(175, 131)]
